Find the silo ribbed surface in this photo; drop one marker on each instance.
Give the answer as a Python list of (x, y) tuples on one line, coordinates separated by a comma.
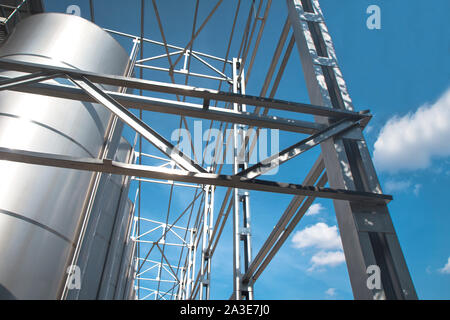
[(41, 208)]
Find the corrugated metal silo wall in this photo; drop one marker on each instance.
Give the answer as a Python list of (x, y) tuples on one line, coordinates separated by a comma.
[(43, 209), (106, 256)]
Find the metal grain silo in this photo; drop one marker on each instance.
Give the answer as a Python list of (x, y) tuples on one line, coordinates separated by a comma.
[(42, 208)]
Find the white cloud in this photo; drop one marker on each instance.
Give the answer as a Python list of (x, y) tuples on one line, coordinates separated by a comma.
[(446, 268), (320, 236), (428, 270), (396, 185), (368, 129), (417, 188), (393, 186), (324, 238), (327, 258), (411, 141), (331, 292), (314, 209)]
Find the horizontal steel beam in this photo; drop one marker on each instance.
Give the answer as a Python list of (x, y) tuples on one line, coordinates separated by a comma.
[(113, 167), (191, 74), (184, 90), (162, 44), (173, 107), (10, 83)]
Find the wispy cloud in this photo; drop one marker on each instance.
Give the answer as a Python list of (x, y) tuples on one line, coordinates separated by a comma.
[(397, 185), (331, 292), (417, 188), (326, 258), (411, 141), (392, 186), (314, 209), (446, 268), (428, 270)]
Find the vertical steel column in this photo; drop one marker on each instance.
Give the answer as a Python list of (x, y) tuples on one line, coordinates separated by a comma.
[(184, 276), (208, 253), (367, 233), (163, 240), (141, 114), (205, 267), (179, 293), (204, 240), (189, 273), (236, 234), (241, 234), (193, 262)]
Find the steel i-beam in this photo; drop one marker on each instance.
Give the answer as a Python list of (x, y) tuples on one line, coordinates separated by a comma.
[(152, 172), (367, 233), (241, 234)]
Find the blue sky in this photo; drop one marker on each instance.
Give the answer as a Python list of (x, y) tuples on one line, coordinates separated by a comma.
[(394, 72)]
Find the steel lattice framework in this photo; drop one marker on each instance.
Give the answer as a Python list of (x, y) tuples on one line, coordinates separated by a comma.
[(173, 256)]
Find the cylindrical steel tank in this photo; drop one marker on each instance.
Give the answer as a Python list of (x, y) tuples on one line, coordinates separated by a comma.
[(41, 208)]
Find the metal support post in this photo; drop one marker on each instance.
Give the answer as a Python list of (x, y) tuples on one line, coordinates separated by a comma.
[(208, 252), (367, 233), (183, 293), (205, 266), (241, 197), (193, 263), (189, 273)]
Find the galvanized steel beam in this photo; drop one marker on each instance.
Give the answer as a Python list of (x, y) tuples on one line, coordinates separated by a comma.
[(184, 90), (152, 172), (173, 107)]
